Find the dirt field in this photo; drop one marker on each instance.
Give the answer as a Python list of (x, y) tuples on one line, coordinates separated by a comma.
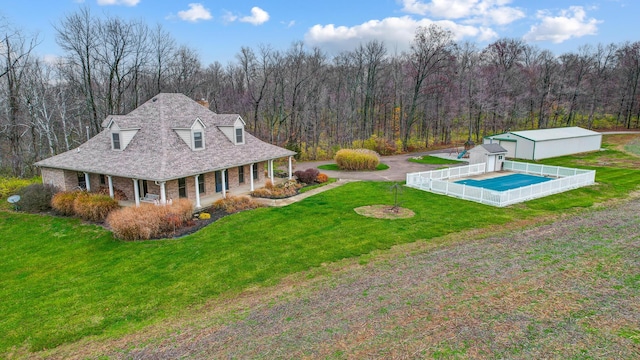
[(570, 289)]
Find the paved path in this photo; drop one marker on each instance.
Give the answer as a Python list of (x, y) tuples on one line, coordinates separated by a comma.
[(304, 195)]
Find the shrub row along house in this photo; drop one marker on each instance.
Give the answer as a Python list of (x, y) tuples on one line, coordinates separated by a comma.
[(170, 147)]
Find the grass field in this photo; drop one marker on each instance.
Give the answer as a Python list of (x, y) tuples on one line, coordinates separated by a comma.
[(434, 160), (63, 281)]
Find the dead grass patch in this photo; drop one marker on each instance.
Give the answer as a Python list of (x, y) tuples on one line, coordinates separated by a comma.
[(385, 212)]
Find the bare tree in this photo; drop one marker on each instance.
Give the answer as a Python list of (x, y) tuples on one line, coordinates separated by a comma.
[(431, 52)]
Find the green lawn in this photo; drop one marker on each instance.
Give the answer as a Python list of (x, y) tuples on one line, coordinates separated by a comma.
[(63, 280), (434, 160), (335, 167)]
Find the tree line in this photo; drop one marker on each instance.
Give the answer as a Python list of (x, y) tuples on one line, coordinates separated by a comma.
[(438, 92)]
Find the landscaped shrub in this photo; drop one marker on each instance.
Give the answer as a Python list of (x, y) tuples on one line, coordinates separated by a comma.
[(117, 193), (286, 189), (10, 186), (149, 221), (233, 204), (204, 216), (307, 176), (94, 207), (322, 178), (36, 198), (62, 202), (357, 159)]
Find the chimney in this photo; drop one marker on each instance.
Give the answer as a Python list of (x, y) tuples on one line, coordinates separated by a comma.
[(203, 102)]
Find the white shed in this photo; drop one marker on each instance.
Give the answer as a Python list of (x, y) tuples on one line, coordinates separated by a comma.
[(547, 143), (491, 154)]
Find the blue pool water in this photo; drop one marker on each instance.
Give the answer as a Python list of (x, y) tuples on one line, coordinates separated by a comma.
[(504, 183)]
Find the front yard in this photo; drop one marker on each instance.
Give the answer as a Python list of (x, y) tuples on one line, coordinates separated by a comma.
[(63, 281)]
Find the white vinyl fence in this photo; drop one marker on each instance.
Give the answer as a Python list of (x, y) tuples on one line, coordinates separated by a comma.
[(567, 179)]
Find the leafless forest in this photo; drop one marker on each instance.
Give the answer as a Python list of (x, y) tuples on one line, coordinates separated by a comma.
[(439, 92)]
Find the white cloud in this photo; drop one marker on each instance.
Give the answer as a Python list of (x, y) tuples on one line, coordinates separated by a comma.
[(570, 23), (117, 2), (258, 16), (488, 12), (228, 17), (195, 13), (396, 32)]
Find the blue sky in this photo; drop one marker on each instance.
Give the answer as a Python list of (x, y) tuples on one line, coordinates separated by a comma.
[(218, 28)]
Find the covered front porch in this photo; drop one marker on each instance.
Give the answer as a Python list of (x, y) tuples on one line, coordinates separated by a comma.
[(200, 188)]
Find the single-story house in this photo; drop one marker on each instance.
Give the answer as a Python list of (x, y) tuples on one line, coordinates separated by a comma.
[(547, 143), (491, 154), (168, 148)]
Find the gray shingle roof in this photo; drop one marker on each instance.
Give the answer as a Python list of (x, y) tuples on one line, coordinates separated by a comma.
[(493, 148), (156, 152)]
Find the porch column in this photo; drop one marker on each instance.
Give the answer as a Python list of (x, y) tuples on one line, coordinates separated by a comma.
[(290, 168), (197, 192), (251, 175), (224, 184), (163, 193), (110, 181), (86, 180), (136, 191), (271, 170)]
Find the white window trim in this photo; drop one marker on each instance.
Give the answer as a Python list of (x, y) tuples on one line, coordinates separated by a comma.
[(193, 139), (113, 146), (235, 136)]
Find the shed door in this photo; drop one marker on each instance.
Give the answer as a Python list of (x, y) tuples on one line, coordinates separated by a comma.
[(491, 163)]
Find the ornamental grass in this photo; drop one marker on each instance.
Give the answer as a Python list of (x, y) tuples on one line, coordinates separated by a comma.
[(149, 221), (357, 159), (234, 204)]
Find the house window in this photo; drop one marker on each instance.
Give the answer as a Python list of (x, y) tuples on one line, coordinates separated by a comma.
[(499, 157), (197, 140), (82, 181), (240, 174), (239, 136), (103, 181), (255, 171), (116, 141), (201, 188), (182, 187)]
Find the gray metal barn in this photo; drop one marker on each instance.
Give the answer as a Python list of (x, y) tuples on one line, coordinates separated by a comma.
[(547, 143)]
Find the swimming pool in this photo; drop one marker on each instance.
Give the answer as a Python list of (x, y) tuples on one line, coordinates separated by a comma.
[(504, 183)]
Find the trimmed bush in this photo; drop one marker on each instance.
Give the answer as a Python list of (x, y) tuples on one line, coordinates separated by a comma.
[(94, 207), (322, 178), (233, 204), (36, 198), (357, 159), (204, 216), (62, 202), (150, 221), (307, 176)]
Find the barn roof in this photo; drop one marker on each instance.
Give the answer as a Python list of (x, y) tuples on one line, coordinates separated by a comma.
[(555, 133)]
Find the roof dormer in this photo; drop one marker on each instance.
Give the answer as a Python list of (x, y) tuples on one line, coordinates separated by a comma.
[(194, 135), (235, 131), (120, 137)]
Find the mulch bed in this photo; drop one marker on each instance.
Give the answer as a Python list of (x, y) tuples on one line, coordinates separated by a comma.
[(216, 214)]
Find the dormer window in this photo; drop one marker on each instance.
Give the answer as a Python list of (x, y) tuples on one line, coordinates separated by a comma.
[(197, 140), (239, 136), (115, 139)]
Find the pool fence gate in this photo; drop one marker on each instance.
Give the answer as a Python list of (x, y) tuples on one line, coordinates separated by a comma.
[(566, 179)]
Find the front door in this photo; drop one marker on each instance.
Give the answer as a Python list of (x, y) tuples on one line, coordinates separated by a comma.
[(144, 189), (219, 180)]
